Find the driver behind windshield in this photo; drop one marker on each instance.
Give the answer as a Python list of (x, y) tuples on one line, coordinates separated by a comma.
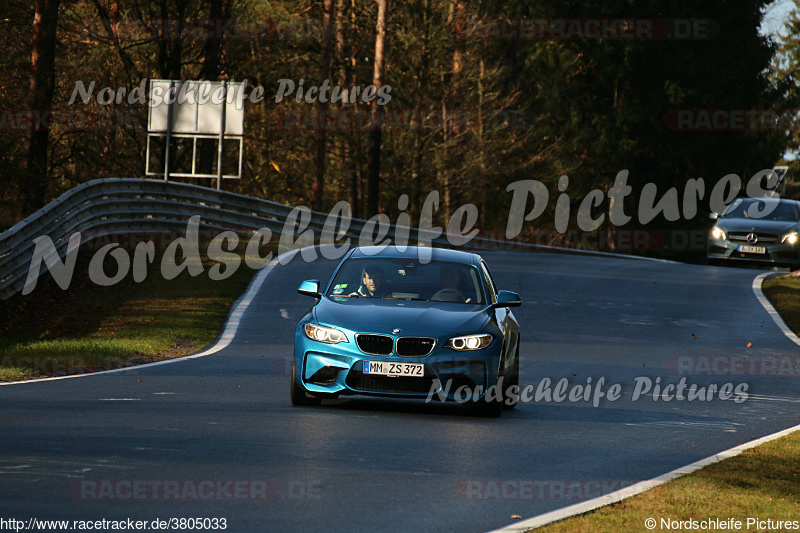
[(373, 283)]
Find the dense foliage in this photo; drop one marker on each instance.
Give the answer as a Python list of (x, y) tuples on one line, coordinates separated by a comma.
[(476, 102)]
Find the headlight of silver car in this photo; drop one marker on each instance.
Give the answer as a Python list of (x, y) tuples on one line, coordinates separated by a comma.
[(790, 238), (470, 342), (717, 233), (319, 333)]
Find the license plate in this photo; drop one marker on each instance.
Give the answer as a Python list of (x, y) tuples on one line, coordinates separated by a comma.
[(386, 368), (752, 249)]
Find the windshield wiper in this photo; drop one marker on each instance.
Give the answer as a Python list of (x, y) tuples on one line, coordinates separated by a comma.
[(403, 298)]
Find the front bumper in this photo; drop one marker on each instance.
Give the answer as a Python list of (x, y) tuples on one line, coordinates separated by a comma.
[(782, 254), (333, 369)]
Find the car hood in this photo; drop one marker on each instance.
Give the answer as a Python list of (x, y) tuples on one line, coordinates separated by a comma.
[(412, 318), (751, 224)]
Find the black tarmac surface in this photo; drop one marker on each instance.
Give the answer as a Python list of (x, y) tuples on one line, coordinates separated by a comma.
[(140, 443)]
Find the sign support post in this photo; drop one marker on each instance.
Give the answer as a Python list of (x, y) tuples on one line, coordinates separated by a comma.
[(221, 132), (170, 97)]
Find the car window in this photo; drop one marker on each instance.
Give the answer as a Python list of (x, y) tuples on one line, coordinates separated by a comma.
[(783, 211), (405, 278), (489, 282)]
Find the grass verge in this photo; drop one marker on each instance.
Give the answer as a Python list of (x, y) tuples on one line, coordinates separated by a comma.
[(762, 482), (784, 294), (87, 327)]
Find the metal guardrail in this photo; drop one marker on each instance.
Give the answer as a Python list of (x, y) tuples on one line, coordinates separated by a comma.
[(117, 206)]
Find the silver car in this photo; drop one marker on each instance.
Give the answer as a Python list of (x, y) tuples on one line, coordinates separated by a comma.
[(760, 230)]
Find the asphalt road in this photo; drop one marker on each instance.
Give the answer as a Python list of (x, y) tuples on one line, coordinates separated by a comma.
[(77, 449)]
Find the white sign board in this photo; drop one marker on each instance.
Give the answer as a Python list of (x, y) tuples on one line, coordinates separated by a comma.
[(196, 107)]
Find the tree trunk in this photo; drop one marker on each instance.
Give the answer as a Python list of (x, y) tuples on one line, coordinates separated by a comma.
[(343, 55), (373, 179), (211, 69), (110, 19), (40, 97), (213, 45), (170, 48), (459, 35), (318, 185)]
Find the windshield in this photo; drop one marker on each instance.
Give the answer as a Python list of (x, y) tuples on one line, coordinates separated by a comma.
[(407, 279), (782, 211)]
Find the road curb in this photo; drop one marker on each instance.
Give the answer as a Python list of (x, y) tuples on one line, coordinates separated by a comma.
[(771, 310), (637, 488)]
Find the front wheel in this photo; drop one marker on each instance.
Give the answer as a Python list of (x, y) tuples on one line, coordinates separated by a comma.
[(513, 380), (299, 394), (487, 408)]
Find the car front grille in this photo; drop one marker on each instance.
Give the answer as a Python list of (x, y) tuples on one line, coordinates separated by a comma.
[(415, 346), (763, 238), (375, 344), (406, 385)]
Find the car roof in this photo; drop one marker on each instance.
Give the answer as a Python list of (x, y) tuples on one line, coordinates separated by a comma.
[(437, 254)]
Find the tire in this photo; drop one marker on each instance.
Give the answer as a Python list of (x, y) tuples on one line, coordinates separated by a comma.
[(494, 408), (299, 394), (486, 409), (513, 380)]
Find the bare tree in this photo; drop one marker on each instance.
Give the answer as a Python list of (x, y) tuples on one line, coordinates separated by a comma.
[(376, 117), (211, 70), (40, 97), (345, 56), (318, 184)]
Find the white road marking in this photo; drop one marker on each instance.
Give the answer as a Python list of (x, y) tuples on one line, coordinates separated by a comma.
[(234, 319), (771, 310), (636, 488), (119, 399), (764, 398)]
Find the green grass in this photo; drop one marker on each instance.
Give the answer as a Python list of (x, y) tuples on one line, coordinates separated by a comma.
[(763, 482), (784, 293), (88, 328)]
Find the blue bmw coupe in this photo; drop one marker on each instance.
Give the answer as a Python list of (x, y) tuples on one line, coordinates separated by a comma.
[(418, 323)]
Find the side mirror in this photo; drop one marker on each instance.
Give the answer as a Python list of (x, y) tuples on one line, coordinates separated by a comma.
[(507, 299), (310, 288), (713, 216)]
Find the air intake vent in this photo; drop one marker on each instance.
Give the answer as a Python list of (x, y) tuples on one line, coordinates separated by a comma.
[(384, 384)]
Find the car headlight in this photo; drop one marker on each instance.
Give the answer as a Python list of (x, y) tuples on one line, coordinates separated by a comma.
[(790, 238), (324, 334), (470, 342), (717, 233)]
